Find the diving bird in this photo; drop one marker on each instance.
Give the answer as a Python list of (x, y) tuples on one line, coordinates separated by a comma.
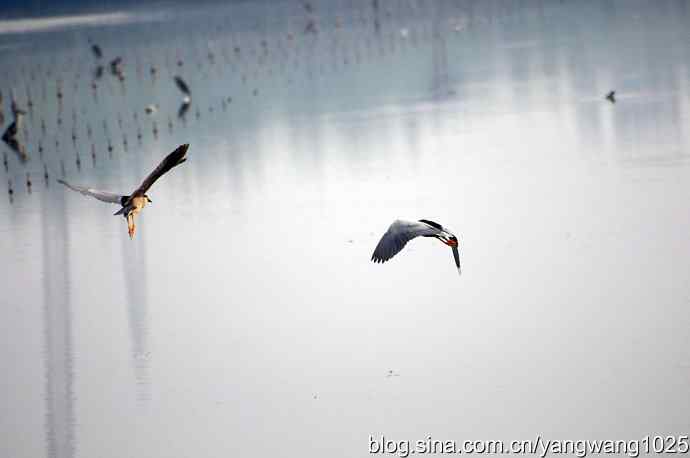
[(401, 232), (133, 203)]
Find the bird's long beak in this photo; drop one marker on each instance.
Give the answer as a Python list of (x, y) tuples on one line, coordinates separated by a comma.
[(456, 256)]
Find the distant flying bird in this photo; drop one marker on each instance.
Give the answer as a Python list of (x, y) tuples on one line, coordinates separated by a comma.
[(151, 109), (182, 86), (96, 51), (133, 204), (611, 96), (401, 232)]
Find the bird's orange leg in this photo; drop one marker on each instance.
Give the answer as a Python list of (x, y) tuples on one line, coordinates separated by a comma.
[(130, 225)]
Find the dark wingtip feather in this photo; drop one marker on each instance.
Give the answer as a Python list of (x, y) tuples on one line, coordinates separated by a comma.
[(182, 149), (180, 154), (431, 223)]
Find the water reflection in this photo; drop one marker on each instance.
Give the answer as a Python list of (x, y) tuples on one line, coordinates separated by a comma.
[(57, 326), (134, 265)]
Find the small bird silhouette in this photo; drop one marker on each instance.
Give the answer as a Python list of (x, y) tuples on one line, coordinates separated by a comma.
[(611, 96)]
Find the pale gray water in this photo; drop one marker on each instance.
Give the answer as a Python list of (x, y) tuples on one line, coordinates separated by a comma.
[(245, 318)]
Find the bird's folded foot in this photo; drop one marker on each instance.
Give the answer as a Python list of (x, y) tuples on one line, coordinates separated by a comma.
[(130, 230)]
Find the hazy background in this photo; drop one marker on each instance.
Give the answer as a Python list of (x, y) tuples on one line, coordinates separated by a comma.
[(245, 317)]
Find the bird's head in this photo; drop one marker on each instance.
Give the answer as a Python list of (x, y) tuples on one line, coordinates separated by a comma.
[(450, 240), (148, 198)]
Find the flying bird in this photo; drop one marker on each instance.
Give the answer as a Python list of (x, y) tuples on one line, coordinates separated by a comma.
[(401, 232), (611, 96), (133, 203), (182, 86)]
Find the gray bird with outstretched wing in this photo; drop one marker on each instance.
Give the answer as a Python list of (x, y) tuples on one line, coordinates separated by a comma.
[(401, 232)]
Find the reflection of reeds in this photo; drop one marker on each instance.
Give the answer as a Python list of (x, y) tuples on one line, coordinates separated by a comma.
[(18, 148), (57, 317), (135, 284)]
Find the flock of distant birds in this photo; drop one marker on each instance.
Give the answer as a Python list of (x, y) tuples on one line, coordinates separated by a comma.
[(391, 243), (155, 56), (11, 135)]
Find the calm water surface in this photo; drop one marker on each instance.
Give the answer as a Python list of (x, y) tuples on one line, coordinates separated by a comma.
[(245, 317)]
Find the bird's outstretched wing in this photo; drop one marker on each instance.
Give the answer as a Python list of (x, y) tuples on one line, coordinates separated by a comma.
[(182, 86), (397, 236), (173, 159), (103, 196), (10, 132)]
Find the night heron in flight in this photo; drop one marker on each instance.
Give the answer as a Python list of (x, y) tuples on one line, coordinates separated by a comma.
[(401, 232), (133, 204)]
